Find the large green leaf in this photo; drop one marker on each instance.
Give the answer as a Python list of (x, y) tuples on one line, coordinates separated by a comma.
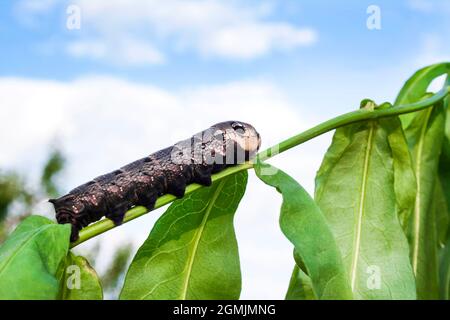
[(444, 171), (30, 257), (304, 225), (300, 286), (444, 177), (425, 135), (414, 89), (404, 176), (444, 161), (440, 208), (441, 214), (444, 272), (416, 86), (78, 280), (356, 189), (192, 252)]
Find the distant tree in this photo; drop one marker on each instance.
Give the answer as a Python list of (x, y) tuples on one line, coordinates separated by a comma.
[(14, 190), (11, 188), (55, 164), (110, 279)]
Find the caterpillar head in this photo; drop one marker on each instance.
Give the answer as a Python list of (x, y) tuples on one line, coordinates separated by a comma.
[(67, 207), (240, 137)]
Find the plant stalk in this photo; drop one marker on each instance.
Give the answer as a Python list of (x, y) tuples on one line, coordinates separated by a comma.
[(348, 118)]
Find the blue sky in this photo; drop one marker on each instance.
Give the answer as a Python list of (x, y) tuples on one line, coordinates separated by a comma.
[(141, 75), (33, 41)]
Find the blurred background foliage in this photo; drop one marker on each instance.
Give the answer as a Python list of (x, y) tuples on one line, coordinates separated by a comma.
[(18, 200)]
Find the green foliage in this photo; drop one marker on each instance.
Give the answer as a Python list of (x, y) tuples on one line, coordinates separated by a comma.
[(117, 267), (355, 188), (300, 286), (53, 167), (378, 227), (416, 86), (304, 225), (443, 209), (191, 252), (11, 188), (30, 258), (428, 135), (78, 280), (425, 134), (444, 272), (444, 161), (15, 190), (405, 188)]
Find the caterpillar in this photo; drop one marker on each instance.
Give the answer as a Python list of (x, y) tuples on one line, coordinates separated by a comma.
[(167, 171)]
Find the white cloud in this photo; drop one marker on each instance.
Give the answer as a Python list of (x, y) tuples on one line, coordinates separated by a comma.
[(213, 28), (104, 122), (249, 41)]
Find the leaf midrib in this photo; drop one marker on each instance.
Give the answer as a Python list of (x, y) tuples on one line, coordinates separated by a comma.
[(197, 237), (357, 239)]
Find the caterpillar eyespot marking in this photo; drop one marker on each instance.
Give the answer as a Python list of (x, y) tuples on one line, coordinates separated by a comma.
[(169, 170)]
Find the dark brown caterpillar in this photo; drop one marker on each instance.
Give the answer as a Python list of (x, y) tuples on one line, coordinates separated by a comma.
[(167, 171)]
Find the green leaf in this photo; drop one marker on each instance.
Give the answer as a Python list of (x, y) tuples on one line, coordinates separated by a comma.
[(444, 177), (425, 135), (444, 169), (78, 280), (304, 225), (300, 286), (30, 257), (404, 176), (416, 86), (192, 251), (440, 209), (444, 161), (356, 190), (444, 272)]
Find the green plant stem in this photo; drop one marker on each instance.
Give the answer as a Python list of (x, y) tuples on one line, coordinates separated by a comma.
[(349, 118), (339, 121), (104, 225)]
